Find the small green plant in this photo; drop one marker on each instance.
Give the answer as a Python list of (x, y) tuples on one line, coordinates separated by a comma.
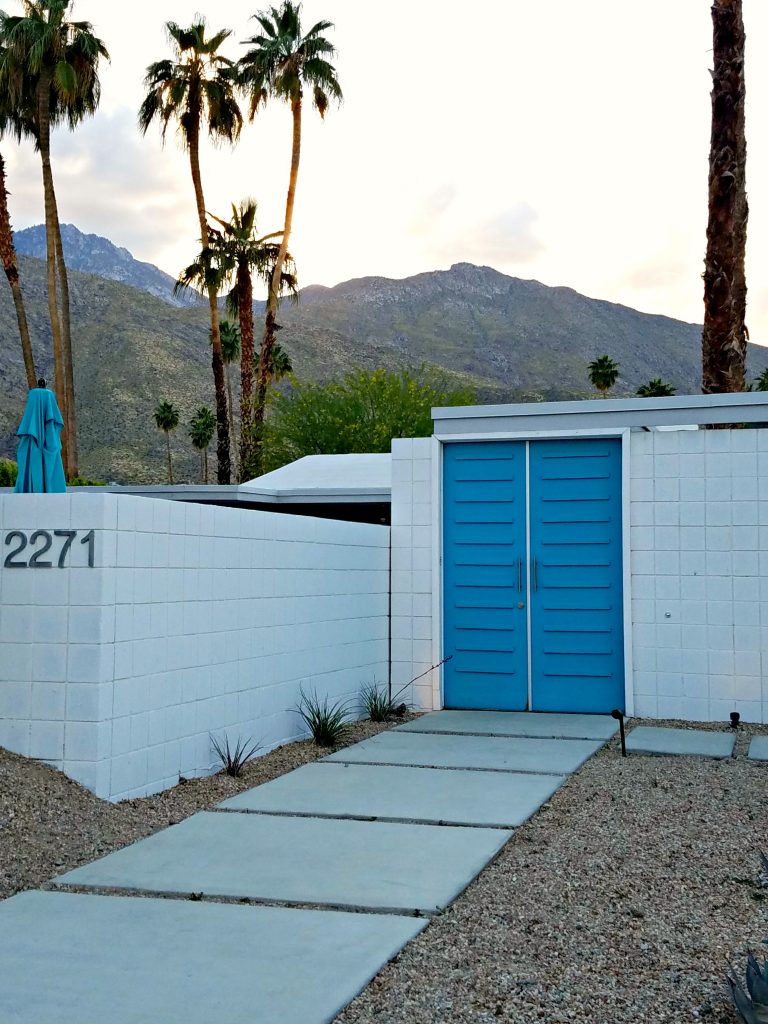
[(325, 719), (751, 1002), (379, 704), (83, 481), (656, 388), (234, 758), (8, 473)]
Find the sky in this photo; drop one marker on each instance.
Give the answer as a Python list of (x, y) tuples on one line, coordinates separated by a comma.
[(561, 141)]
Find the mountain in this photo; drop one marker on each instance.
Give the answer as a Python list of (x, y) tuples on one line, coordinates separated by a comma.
[(511, 339), (93, 254)]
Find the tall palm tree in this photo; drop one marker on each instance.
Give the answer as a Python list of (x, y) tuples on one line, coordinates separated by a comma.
[(282, 63), (14, 121), (230, 353), (201, 430), (197, 89), (58, 61), (603, 374), (724, 339), (167, 419), (656, 388), (233, 256)]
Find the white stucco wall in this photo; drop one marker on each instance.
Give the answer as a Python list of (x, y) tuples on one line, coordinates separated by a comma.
[(698, 515), (194, 621)]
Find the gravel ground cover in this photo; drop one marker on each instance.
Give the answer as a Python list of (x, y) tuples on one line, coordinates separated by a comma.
[(619, 902), (49, 824)]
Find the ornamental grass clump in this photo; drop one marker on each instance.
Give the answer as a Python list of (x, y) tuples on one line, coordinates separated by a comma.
[(381, 706), (234, 758), (325, 719)]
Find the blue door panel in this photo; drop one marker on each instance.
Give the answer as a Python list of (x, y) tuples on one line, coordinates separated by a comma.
[(577, 646), (484, 630)]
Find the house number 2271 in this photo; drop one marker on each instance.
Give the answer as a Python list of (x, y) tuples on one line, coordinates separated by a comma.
[(38, 550)]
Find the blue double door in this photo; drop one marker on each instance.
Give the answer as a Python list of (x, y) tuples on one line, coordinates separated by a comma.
[(532, 571)]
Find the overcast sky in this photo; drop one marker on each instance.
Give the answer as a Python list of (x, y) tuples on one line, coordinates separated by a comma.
[(556, 140)]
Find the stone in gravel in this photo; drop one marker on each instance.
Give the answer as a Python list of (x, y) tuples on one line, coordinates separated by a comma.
[(66, 958)]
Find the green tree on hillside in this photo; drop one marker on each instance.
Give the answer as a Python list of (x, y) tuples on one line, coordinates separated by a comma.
[(197, 89), (282, 63), (201, 430), (361, 413), (167, 419), (656, 388), (56, 62), (603, 374)]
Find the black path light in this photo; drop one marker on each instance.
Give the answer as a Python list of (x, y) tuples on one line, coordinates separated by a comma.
[(619, 716)]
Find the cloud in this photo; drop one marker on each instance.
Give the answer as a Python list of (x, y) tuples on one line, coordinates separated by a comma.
[(109, 181), (506, 239), (658, 273)]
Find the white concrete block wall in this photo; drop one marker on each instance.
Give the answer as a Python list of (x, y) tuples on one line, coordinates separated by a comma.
[(699, 572), (195, 621), (412, 555), (699, 541)]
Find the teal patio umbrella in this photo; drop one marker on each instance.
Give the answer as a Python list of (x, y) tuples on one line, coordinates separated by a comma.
[(39, 451)]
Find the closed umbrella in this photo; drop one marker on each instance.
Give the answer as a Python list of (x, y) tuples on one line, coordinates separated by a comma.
[(39, 451)]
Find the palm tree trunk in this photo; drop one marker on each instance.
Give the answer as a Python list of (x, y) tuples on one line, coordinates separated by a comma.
[(205, 465), (231, 409), (270, 326), (168, 451), (203, 474), (66, 339), (245, 311), (724, 339), (44, 143), (217, 360), (8, 257)]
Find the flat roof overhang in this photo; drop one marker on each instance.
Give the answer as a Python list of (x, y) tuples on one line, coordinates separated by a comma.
[(602, 414)]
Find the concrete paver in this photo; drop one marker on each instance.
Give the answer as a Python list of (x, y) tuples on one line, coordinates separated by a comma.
[(515, 723), (375, 865), (401, 793), (758, 748), (511, 754), (67, 958), (652, 739)]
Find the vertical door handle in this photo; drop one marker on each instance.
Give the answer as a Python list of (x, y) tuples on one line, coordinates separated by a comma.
[(535, 585), (519, 575)]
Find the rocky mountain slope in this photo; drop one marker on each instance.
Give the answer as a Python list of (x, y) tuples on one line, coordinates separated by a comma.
[(93, 254), (512, 339)]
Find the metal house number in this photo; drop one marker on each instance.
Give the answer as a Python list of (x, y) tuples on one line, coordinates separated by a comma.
[(38, 549)]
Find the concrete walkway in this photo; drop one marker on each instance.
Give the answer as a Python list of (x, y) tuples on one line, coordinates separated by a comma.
[(393, 828)]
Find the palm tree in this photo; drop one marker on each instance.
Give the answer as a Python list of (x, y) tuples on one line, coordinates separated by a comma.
[(233, 256), (230, 353), (724, 339), (201, 430), (656, 388), (167, 419), (282, 63), (197, 89), (14, 121), (57, 62), (760, 383), (280, 365), (603, 374)]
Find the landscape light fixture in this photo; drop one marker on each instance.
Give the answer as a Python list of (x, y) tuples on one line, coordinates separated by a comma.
[(619, 716), (735, 719)]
